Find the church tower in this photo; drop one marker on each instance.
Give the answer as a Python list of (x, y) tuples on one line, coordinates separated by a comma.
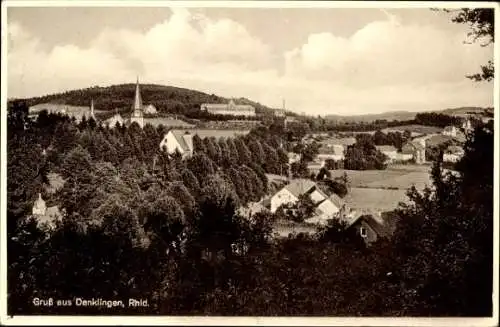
[(137, 109), (92, 109)]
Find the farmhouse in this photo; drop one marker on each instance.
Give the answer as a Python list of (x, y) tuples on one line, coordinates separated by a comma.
[(390, 151), (372, 227), (328, 209), (228, 109), (412, 150), (290, 193)]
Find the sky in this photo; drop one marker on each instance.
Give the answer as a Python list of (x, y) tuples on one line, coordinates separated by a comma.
[(319, 60)]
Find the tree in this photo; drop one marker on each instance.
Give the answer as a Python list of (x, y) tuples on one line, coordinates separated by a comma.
[(201, 166), (244, 154), (323, 174), (165, 220), (482, 24)]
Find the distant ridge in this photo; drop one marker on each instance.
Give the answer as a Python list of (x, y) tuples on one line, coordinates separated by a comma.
[(169, 99), (407, 115)]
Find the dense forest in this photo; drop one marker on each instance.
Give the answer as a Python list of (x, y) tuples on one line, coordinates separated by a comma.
[(166, 99), (139, 224)]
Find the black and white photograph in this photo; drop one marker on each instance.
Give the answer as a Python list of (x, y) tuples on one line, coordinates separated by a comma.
[(249, 163)]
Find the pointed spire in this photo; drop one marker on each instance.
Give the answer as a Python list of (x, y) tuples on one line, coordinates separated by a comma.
[(137, 99), (40, 196), (92, 108)]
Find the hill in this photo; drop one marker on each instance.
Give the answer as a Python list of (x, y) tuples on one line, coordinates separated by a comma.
[(407, 115), (167, 99), (395, 115)]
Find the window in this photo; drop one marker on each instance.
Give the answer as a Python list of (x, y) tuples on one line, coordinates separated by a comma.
[(362, 232)]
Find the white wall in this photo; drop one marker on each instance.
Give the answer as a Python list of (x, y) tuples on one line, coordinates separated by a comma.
[(170, 142), (317, 196), (282, 197)]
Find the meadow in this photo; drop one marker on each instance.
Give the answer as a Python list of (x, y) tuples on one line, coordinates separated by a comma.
[(397, 177)]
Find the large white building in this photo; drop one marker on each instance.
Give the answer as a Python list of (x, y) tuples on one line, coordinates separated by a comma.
[(229, 109)]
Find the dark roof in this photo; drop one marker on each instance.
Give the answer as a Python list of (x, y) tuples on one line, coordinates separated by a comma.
[(300, 186), (384, 227)]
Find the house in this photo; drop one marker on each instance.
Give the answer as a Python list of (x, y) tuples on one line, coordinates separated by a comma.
[(334, 152), (372, 227), (389, 150), (150, 109), (178, 141), (450, 131), (293, 157), (328, 209), (412, 151), (45, 216), (182, 139), (290, 193), (113, 121), (467, 125), (453, 153), (228, 109)]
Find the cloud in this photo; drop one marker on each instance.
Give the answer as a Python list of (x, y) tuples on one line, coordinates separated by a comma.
[(385, 65)]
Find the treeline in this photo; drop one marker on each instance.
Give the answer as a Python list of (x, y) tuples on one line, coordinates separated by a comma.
[(396, 139), (363, 155), (166, 99), (134, 228), (427, 118)]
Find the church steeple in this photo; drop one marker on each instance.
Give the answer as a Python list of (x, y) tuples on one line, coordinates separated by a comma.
[(137, 109), (137, 99), (92, 108)]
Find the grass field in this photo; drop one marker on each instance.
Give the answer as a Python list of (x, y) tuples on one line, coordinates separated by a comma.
[(375, 199), (399, 177), (418, 129), (167, 122)]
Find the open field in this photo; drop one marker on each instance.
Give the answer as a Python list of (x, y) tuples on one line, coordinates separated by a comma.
[(417, 129), (168, 122), (399, 177), (375, 199)]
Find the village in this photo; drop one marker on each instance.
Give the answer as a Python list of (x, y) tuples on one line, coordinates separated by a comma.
[(371, 197)]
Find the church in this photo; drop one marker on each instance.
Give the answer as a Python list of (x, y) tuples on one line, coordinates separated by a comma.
[(137, 114)]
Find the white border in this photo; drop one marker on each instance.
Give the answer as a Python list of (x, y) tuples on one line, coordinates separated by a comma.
[(270, 321)]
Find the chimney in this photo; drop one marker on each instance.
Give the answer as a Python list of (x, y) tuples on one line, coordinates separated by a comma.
[(188, 138)]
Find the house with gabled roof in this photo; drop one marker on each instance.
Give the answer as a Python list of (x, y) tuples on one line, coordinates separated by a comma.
[(290, 193), (413, 150), (374, 226), (178, 141), (327, 209)]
